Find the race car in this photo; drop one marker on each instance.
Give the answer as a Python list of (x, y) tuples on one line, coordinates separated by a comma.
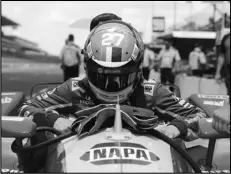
[(93, 145)]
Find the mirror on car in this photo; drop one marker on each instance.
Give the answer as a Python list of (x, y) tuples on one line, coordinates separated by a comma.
[(17, 127), (206, 130)]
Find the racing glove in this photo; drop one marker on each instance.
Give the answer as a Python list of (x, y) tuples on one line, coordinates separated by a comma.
[(45, 118), (181, 126), (91, 119)]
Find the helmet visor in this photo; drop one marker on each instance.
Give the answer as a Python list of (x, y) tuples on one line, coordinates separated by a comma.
[(112, 82)]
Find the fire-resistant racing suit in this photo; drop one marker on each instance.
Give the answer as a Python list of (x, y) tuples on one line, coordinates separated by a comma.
[(75, 94)]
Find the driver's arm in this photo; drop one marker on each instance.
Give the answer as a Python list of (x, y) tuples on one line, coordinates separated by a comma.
[(180, 113), (39, 107)]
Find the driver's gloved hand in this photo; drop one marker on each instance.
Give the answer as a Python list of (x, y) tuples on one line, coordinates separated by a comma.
[(176, 129), (170, 131), (180, 128), (35, 161), (53, 119), (63, 124), (45, 118)]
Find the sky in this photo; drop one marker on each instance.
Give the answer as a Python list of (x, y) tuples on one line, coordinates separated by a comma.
[(48, 23)]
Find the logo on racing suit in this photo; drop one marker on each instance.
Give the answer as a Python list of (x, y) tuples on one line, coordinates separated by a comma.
[(125, 153), (86, 102), (182, 102), (44, 95), (38, 97), (6, 100), (149, 89)]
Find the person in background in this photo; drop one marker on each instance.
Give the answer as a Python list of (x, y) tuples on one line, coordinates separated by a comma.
[(223, 63), (71, 57), (211, 60), (148, 61), (170, 59), (221, 119), (197, 61)]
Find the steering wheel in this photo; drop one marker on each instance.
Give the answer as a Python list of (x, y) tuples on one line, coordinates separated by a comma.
[(151, 132)]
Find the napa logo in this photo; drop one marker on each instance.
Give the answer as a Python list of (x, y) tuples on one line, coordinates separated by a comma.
[(114, 153)]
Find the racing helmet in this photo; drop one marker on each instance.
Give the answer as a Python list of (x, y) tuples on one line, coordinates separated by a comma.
[(113, 55)]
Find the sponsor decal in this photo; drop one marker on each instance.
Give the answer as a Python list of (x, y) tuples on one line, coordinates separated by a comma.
[(74, 85), (10, 171), (114, 153), (182, 102), (214, 103), (44, 95), (86, 102), (111, 30), (115, 71), (216, 171), (6, 100), (12, 118), (223, 97), (38, 97), (149, 89), (8, 93)]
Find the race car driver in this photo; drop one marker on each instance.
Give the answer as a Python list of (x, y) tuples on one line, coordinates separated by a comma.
[(113, 64)]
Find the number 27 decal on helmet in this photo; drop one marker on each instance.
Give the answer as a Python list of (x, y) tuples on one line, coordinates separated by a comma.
[(112, 39)]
